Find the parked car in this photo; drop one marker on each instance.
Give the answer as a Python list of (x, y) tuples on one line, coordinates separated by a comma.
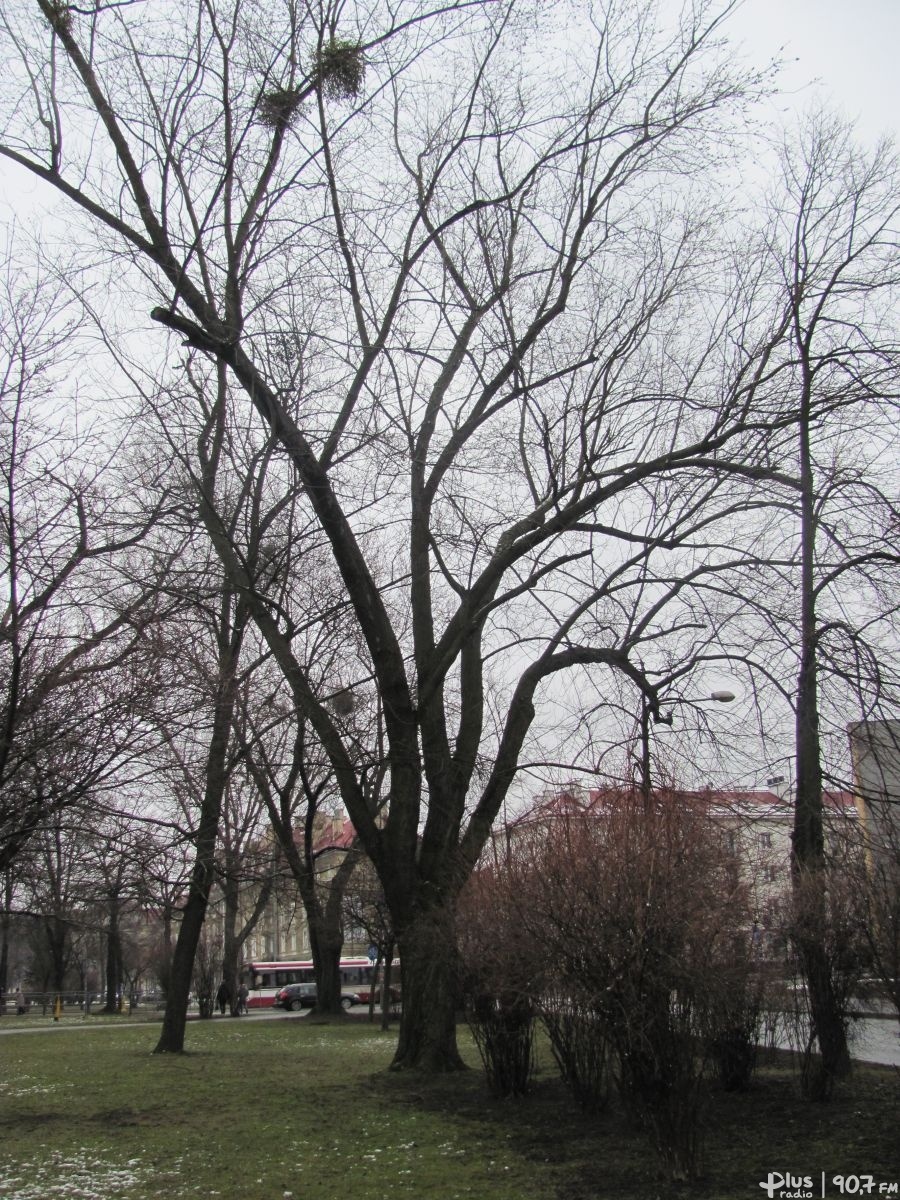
[(303, 995), (393, 993)]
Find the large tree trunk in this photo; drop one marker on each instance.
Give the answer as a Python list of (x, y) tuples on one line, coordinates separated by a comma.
[(811, 917), (326, 935), (326, 941), (429, 983), (171, 1040), (828, 1024)]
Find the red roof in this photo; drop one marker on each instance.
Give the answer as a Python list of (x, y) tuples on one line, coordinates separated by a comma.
[(332, 839), (572, 801)]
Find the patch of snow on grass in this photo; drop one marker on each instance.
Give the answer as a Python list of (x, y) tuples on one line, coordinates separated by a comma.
[(12, 1090), (77, 1176)]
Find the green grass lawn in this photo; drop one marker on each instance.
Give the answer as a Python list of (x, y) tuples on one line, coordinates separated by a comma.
[(268, 1109)]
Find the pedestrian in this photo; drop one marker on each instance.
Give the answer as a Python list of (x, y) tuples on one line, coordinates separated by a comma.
[(243, 996), (21, 1006), (223, 996)]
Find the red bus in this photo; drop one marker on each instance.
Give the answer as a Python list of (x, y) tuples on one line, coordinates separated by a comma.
[(265, 978)]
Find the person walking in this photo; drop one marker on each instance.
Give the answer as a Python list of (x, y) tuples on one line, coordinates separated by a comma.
[(21, 1005), (223, 996)]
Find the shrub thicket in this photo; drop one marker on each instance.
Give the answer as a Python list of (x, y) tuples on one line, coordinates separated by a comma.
[(625, 925)]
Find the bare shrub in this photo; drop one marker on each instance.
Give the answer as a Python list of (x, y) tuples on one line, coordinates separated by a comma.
[(878, 878), (734, 1023), (204, 976), (637, 907), (500, 979), (502, 1025), (581, 1048)]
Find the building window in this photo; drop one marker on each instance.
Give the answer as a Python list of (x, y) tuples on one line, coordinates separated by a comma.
[(764, 841)]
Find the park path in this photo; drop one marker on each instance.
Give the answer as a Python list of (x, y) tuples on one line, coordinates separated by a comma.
[(10, 1025)]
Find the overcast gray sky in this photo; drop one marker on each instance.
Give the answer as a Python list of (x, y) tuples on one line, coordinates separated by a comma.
[(850, 46)]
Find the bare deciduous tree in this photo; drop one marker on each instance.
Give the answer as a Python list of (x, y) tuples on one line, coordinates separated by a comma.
[(476, 302), (830, 565), (198, 757), (72, 673)]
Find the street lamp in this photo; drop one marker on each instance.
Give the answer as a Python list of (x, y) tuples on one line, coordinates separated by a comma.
[(720, 697)]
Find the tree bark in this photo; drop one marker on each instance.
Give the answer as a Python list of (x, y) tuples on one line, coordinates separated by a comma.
[(429, 982), (827, 1019), (326, 940)]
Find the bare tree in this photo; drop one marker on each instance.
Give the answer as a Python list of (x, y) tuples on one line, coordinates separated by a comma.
[(832, 356), (72, 676), (113, 854), (365, 909), (246, 871), (853, 203), (165, 864), (199, 758), (296, 782), (55, 889), (253, 500), (475, 303)]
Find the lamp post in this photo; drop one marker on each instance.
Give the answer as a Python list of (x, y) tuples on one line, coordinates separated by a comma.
[(720, 697)]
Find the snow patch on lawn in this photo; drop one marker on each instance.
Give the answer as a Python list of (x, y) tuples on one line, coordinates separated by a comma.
[(74, 1176)]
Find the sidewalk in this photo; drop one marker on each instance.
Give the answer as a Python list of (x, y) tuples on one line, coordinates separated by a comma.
[(74, 1021)]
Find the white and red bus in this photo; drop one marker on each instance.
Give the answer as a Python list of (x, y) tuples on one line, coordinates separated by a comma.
[(264, 979)]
